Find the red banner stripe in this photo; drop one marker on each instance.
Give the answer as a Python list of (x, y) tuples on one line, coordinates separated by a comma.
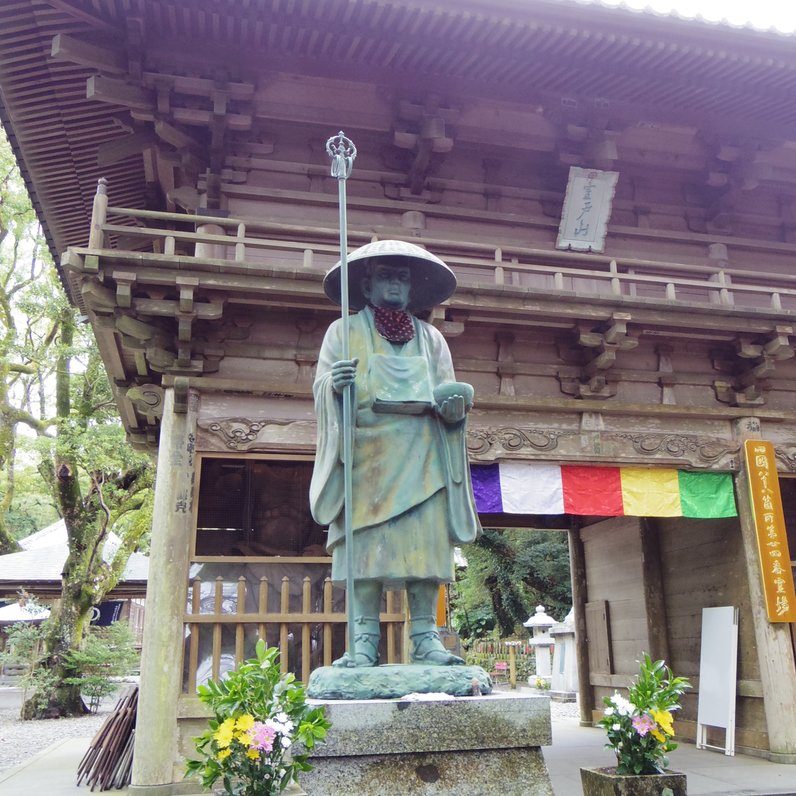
[(592, 490)]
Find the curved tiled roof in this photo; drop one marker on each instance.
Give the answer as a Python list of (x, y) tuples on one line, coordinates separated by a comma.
[(530, 52), (777, 17), (40, 563)]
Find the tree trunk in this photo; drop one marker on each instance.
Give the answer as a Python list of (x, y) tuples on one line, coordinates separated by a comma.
[(63, 632), (65, 625)]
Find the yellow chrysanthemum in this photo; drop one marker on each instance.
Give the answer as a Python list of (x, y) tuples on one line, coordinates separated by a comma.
[(223, 735), (244, 723), (658, 735), (663, 718), (252, 754), (224, 754)]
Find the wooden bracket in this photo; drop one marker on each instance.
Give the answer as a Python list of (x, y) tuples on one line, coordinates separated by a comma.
[(601, 347), (746, 378)]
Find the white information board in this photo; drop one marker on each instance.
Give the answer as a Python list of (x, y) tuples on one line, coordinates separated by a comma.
[(718, 665)]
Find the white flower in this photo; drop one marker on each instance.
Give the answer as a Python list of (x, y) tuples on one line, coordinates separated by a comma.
[(623, 706), (286, 742), (608, 712), (281, 723), (616, 727)]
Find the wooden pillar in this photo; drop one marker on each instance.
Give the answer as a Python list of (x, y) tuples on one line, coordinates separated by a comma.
[(773, 641), (577, 568), (155, 751), (654, 598)]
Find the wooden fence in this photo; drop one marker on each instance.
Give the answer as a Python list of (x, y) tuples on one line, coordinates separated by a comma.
[(220, 632)]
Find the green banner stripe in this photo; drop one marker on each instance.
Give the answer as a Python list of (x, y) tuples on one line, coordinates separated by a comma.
[(707, 495)]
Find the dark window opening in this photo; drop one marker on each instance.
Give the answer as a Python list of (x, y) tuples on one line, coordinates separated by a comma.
[(787, 488), (256, 507)]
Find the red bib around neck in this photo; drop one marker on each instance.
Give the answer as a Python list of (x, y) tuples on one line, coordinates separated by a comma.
[(394, 325)]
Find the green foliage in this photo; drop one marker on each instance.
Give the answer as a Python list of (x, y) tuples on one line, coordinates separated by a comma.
[(473, 623), (53, 386), (259, 714), (24, 648), (107, 653), (640, 727), (524, 663), (508, 573), (23, 640)]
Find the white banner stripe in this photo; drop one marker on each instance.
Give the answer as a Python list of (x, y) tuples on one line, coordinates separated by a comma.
[(531, 488)]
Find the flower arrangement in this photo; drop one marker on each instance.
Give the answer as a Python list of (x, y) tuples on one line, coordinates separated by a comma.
[(640, 727), (541, 683), (261, 718)]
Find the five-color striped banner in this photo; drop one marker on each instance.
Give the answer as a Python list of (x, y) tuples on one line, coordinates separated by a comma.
[(536, 488)]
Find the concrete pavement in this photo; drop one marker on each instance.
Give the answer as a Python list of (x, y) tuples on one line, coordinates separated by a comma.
[(709, 773), (52, 772)]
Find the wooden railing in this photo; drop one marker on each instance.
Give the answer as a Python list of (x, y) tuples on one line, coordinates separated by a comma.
[(240, 242), (221, 637)]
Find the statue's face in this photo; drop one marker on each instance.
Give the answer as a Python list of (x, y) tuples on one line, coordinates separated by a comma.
[(388, 286)]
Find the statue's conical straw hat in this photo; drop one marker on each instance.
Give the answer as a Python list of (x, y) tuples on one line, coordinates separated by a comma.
[(432, 280)]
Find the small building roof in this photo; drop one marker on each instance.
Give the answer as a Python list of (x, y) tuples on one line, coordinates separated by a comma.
[(37, 568), (54, 534), (13, 613)]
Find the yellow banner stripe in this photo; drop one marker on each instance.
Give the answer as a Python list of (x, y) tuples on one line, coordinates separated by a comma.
[(650, 493)]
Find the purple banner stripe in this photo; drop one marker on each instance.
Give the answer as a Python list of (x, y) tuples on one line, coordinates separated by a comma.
[(486, 488)]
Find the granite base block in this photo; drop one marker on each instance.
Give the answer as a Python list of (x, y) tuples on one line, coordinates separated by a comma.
[(498, 772), (448, 745), (391, 726)]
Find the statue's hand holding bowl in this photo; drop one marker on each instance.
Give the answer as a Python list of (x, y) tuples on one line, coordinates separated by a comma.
[(344, 372), (453, 400)]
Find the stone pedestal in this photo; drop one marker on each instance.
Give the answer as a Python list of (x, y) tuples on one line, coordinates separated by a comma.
[(606, 782), (462, 746)]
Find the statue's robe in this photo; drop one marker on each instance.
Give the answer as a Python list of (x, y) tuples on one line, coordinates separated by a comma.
[(412, 497)]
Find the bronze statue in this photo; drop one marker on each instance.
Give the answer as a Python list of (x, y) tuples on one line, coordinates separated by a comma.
[(412, 497)]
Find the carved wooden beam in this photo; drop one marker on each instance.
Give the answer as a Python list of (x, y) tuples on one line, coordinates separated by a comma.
[(422, 129), (746, 382), (505, 363), (119, 92), (76, 51), (122, 148), (601, 346)]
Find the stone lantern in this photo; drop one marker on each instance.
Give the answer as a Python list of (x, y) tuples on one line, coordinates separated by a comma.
[(542, 642)]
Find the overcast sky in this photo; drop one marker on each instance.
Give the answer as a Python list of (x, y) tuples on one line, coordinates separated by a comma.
[(762, 14)]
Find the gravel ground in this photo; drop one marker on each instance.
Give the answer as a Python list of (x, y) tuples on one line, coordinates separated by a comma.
[(20, 740)]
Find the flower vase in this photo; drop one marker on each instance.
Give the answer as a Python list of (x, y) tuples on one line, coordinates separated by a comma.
[(606, 782)]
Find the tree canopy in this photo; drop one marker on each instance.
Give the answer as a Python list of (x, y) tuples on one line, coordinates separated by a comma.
[(509, 572), (60, 435)]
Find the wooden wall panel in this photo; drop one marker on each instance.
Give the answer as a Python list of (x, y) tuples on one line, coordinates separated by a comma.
[(613, 572), (702, 563)]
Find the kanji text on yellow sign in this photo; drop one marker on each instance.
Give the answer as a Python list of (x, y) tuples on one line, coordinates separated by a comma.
[(772, 539)]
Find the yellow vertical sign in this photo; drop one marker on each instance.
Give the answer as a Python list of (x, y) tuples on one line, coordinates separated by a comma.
[(772, 539)]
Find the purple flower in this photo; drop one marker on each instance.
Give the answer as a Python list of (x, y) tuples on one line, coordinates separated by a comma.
[(261, 736), (643, 724)]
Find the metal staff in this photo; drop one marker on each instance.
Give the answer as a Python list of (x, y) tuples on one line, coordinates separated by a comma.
[(342, 152)]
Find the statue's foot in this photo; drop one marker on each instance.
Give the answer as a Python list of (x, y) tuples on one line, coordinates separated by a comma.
[(360, 659), (430, 650), (367, 652)]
